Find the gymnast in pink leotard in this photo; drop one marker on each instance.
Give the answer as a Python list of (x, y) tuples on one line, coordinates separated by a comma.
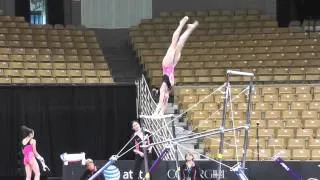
[(170, 60), (30, 153)]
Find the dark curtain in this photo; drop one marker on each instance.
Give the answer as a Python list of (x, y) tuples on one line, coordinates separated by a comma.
[(94, 120), (55, 11), (22, 8)]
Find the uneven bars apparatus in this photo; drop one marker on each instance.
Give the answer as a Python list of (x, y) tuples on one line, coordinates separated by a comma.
[(239, 169)]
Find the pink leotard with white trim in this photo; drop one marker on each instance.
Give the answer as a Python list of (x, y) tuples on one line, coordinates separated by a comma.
[(169, 71)]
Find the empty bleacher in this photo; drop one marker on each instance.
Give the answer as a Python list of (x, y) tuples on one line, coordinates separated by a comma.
[(242, 39), (32, 54), (288, 117)]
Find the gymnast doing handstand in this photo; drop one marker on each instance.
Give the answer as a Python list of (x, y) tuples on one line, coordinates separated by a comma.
[(170, 60)]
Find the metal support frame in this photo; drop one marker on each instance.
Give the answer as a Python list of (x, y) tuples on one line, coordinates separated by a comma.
[(145, 152), (175, 147), (227, 100)]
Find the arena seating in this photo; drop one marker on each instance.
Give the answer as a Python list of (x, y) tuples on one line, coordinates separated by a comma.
[(244, 40), (33, 54), (288, 117)]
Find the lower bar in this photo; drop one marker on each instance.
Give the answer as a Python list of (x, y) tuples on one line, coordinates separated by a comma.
[(156, 163), (109, 163), (290, 171), (238, 170)]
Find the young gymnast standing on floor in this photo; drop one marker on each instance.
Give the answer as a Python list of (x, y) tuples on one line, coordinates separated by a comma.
[(30, 154), (170, 60)]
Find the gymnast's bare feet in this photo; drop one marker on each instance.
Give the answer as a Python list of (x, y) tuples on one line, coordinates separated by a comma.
[(193, 25), (184, 20)]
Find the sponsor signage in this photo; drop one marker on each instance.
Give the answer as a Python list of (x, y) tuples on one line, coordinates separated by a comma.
[(262, 170)]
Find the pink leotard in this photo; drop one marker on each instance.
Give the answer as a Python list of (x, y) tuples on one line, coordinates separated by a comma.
[(27, 153), (169, 71)]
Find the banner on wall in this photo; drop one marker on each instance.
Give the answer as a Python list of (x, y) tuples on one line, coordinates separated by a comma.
[(36, 5), (38, 11), (263, 170)]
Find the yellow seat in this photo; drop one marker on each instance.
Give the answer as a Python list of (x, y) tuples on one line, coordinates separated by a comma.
[(296, 143), (293, 123), (276, 143), (195, 107), (203, 91), (33, 80), (59, 73), (275, 124), (256, 98), (270, 98), (59, 66), (275, 115), (316, 97), (266, 133), (303, 89), (75, 73), (47, 80), (285, 90), (253, 143), (300, 154), (314, 106), (298, 106), (269, 90), (205, 125), (18, 80), (304, 97), (29, 73), (255, 115), (92, 80), (314, 143), (263, 153), (31, 65), (280, 106), (284, 133), (106, 80), (210, 107), (311, 124), (290, 114), (262, 106), (63, 80), (309, 115), (287, 98), (242, 106), (74, 66), (307, 133), (315, 154), (200, 115), (316, 89), (78, 80), (88, 65)]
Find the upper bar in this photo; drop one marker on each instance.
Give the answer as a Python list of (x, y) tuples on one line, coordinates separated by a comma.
[(239, 73), (157, 116)]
